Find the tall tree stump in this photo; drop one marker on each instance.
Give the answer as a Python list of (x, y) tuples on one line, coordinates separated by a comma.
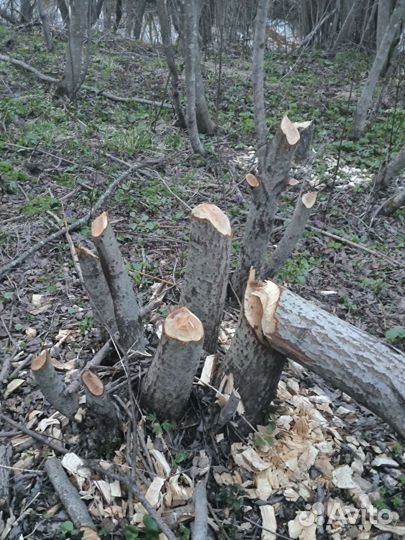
[(207, 269)]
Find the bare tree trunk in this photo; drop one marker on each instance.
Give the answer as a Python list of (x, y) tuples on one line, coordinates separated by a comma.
[(108, 10), (43, 15), (385, 8), (190, 56), (26, 11), (64, 11), (393, 204), (138, 19), (380, 60), (78, 23), (164, 22), (348, 358)]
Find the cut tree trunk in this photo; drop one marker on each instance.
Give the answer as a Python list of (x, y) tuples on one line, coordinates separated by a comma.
[(170, 377), (97, 289), (254, 365), (126, 308), (379, 64), (207, 270), (302, 152), (53, 387), (346, 357), (292, 234), (274, 166), (393, 204)]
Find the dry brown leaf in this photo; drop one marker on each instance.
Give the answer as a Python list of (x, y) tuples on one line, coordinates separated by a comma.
[(309, 199), (293, 182), (89, 534), (179, 490)]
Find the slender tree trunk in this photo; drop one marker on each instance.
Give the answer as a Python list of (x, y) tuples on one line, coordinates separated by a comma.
[(190, 56), (26, 11), (384, 12), (108, 10), (138, 17), (78, 23), (64, 11), (164, 22), (380, 60), (43, 15), (391, 170)]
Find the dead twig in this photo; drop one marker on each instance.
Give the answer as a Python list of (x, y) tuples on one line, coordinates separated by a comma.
[(4, 270)]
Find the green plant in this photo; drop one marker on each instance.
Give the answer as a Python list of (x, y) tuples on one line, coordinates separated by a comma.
[(396, 334), (377, 286), (67, 530), (180, 457), (232, 498), (296, 269), (349, 305), (39, 205), (159, 427), (9, 176), (128, 141), (86, 324), (264, 439)]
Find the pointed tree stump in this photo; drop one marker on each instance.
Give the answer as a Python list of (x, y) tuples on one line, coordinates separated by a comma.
[(126, 308), (256, 367), (97, 289), (53, 387), (207, 269), (170, 377)]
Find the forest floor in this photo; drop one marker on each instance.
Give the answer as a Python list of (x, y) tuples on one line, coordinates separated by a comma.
[(58, 157)]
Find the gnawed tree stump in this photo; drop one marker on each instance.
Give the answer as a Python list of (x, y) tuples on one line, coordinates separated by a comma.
[(256, 367), (292, 234), (207, 269), (126, 308), (97, 288), (53, 387), (170, 377), (346, 357), (303, 149)]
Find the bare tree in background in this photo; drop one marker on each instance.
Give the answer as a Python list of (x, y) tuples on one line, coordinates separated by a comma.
[(26, 10), (43, 15), (79, 24), (379, 64)]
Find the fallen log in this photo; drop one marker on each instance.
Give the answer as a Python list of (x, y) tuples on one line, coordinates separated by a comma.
[(346, 357)]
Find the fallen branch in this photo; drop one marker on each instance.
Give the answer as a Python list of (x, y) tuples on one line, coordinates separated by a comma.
[(4, 270), (5, 456), (69, 496), (92, 89)]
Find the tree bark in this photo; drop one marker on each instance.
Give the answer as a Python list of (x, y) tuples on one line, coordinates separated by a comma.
[(138, 17), (346, 357), (391, 170), (207, 270), (126, 308), (53, 387), (255, 366), (165, 32), (170, 377), (274, 165), (292, 234), (97, 289), (64, 11), (5, 470), (108, 10), (385, 8), (78, 23), (380, 60), (26, 11), (393, 204), (43, 15)]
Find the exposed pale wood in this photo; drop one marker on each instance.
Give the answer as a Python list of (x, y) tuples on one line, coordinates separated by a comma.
[(52, 386), (346, 357), (126, 308), (170, 377), (97, 288), (207, 269), (96, 397)]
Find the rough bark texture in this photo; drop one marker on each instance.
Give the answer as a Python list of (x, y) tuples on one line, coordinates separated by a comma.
[(385, 8), (5, 457), (190, 58), (293, 233), (53, 387), (126, 308), (64, 11), (346, 357), (380, 60), (391, 170), (43, 15), (70, 498), (164, 23), (392, 204), (274, 166), (204, 122), (97, 288), (207, 270), (302, 152), (256, 369), (170, 377), (78, 21)]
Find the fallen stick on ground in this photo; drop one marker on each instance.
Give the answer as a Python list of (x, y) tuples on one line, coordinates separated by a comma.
[(14, 263)]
